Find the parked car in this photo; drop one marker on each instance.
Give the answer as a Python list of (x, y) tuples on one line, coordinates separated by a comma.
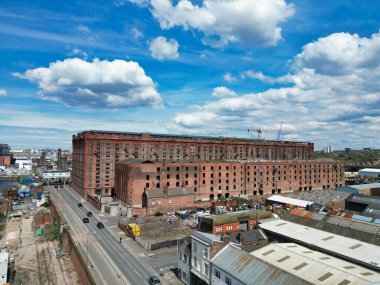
[(153, 280), (89, 214), (158, 214), (134, 217), (85, 220), (100, 225), (14, 203), (80, 205)]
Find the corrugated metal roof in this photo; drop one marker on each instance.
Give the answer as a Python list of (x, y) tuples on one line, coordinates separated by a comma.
[(287, 200), (365, 186), (366, 254), (251, 270), (374, 170), (311, 265)]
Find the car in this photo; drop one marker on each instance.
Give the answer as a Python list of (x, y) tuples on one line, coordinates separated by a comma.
[(158, 214), (100, 225), (15, 203), (85, 220), (134, 217), (153, 280), (80, 205), (89, 214)]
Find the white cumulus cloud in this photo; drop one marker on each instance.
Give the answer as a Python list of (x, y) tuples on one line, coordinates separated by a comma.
[(99, 84), (248, 21), (3, 92), (222, 91), (332, 96), (161, 48)]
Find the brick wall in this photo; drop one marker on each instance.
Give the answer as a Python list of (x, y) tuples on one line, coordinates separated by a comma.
[(212, 180), (96, 153), (5, 160)]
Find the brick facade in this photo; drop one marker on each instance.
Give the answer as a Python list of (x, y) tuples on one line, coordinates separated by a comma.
[(95, 153), (5, 160), (212, 180)]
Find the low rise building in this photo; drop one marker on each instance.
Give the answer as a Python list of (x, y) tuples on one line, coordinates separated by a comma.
[(285, 263), (232, 222), (352, 250), (203, 247), (369, 172)]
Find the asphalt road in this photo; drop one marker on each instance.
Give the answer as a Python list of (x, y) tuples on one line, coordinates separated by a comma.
[(131, 269)]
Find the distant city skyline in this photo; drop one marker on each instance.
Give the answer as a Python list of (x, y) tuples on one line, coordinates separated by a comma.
[(200, 67)]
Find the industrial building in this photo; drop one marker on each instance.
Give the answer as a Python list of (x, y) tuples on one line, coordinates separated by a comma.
[(232, 222), (371, 189), (351, 250), (150, 185), (285, 263), (95, 153), (369, 172)]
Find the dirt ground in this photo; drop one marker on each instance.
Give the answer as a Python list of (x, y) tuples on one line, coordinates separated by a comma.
[(158, 229), (36, 261)]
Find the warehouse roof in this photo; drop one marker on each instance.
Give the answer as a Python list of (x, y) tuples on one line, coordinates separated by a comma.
[(250, 270), (374, 170), (363, 199), (357, 251), (291, 201), (313, 266), (365, 186)]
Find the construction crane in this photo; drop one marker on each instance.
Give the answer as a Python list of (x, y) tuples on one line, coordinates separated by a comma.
[(279, 132), (261, 131)]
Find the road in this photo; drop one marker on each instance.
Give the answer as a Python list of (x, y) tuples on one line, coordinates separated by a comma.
[(118, 265)]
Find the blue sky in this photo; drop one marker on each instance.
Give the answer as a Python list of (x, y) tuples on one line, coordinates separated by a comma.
[(215, 67)]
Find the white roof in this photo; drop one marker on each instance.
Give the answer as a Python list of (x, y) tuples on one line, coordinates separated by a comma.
[(314, 266), (355, 250), (375, 170), (291, 201)]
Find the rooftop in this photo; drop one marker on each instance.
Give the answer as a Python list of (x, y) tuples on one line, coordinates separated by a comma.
[(208, 238), (364, 186), (363, 199), (357, 251), (220, 138), (234, 217), (374, 170), (313, 266), (250, 270), (291, 201)]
